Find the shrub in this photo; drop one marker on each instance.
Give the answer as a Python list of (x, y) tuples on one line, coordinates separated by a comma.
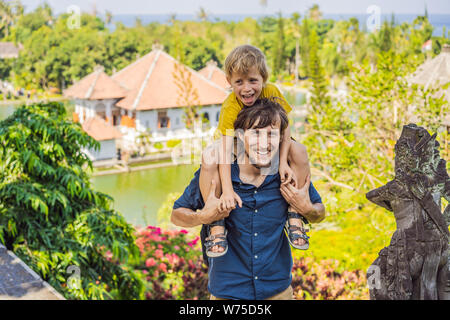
[(320, 281), (173, 266), (49, 215), (172, 143)]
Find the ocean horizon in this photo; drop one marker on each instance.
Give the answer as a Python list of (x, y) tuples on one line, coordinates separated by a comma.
[(438, 21)]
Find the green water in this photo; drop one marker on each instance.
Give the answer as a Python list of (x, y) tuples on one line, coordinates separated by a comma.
[(139, 194)]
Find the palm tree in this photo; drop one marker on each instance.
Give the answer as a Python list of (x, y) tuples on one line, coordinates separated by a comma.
[(202, 14), (296, 32), (279, 48), (314, 13), (9, 12), (304, 46), (172, 18), (108, 17)]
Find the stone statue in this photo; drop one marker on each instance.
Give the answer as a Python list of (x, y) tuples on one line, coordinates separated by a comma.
[(415, 265)]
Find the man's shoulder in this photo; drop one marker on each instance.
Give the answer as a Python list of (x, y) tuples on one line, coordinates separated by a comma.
[(191, 197)]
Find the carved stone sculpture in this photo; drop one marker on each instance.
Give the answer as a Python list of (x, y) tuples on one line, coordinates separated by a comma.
[(415, 265)]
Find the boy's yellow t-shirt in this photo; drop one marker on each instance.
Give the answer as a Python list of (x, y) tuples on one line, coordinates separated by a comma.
[(232, 105)]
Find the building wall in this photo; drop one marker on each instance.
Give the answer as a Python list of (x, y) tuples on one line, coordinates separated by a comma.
[(89, 108), (146, 119), (176, 118), (107, 151), (213, 114), (149, 118)]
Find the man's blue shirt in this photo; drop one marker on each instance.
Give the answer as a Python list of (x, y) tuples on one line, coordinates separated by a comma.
[(192, 198), (258, 263)]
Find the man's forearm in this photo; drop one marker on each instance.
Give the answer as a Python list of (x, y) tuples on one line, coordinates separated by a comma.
[(186, 218), (316, 214)]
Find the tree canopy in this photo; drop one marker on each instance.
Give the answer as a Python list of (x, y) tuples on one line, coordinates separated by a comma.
[(49, 214), (55, 55)]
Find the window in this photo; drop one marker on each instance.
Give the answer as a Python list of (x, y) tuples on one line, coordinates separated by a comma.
[(163, 120)]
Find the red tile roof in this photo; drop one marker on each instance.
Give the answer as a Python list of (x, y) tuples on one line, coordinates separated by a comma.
[(95, 86), (100, 130), (215, 74), (152, 84)]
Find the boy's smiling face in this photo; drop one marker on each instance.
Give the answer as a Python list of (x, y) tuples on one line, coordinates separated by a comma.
[(248, 86)]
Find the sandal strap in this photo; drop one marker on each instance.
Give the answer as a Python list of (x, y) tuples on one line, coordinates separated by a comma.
[(296, 215), (213, 237), (218, 223), (295, 236), (297, 228), (210, 244), (209, 241)]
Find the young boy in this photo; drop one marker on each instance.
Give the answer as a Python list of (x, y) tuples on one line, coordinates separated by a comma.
[(246, 72)]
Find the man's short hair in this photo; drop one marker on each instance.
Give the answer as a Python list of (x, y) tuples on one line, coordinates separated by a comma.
[(267, 111), (242, 58)]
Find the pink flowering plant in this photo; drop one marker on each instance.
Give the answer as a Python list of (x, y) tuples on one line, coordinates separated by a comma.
[(171, 263), (172, 267), (320, 280)]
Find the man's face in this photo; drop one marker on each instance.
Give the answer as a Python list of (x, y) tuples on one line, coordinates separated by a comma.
[(248, 86), (262, 144)]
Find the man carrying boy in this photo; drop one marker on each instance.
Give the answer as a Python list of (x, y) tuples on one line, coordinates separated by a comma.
[(258, 262), (247, 74)]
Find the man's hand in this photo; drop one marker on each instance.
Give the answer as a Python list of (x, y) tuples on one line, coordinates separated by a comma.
[(298, 198), (211, 211)]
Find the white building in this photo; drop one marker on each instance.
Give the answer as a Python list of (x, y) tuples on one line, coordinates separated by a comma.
[(105, 134), (151, 94)]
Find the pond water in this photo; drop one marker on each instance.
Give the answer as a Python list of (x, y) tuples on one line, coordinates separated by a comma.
[(139, 194)]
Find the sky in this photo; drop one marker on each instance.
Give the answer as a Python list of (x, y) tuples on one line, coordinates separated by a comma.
[(245, 6)]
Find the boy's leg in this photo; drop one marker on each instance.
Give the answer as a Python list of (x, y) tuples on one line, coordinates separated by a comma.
[(210, 171), (299, 163)]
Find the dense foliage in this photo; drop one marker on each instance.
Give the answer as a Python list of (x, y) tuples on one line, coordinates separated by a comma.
[(53, 220), (56, 52), (350, 142), (49, 215), (172, 264)]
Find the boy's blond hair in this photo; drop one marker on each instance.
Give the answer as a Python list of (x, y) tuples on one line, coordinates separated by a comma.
[(242, 58)]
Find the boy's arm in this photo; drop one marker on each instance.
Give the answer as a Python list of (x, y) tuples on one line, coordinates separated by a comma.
[(228, 197), (285, 144), (286, 172), (225, 164)]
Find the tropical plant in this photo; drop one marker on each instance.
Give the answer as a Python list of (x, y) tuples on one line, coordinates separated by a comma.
[(9, 13), (49, 214)]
